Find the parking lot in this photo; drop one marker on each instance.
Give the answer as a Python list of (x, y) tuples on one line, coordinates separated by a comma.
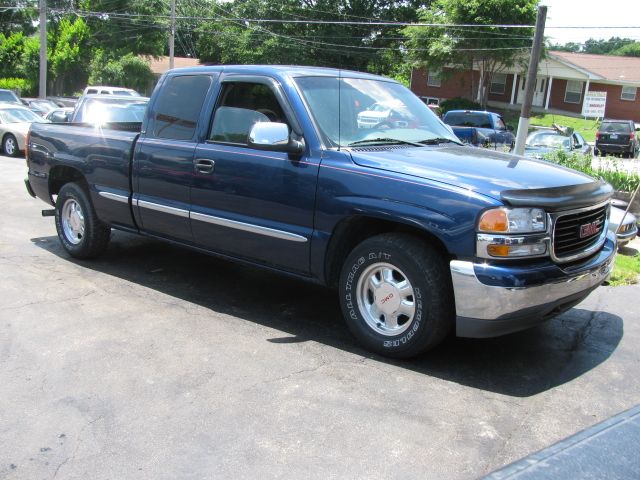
[(158, 362)]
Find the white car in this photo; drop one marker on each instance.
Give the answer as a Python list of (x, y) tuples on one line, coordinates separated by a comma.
[(15, 121), (389, 114), (102, 90)]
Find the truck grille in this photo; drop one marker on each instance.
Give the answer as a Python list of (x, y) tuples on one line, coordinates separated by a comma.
[(575, 233)]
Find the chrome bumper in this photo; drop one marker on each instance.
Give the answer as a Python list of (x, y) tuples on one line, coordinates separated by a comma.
[(489, 310)]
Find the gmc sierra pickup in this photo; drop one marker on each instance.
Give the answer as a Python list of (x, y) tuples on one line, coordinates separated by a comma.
[(270, 165)]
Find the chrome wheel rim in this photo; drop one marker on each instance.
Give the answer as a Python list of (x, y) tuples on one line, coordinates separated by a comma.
[(10, 146), (72, 220), (386, 299)]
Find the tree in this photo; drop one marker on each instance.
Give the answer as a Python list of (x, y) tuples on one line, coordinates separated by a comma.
[(490, 49), (11, 51), (359, 47), (69, 53), (129, 71), (629, 50), (17, 17), (128, 26), (604, 47)]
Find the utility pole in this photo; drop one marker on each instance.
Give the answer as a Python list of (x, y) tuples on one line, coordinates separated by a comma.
[(172, 34), (42, 92), (525, 113)]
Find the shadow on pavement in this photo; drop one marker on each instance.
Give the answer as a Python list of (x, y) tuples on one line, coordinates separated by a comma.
[(520, 364)]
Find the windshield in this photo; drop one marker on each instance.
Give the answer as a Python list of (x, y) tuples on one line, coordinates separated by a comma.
[(9, 97), (43, 105), (467, 119), (370, 111), (130, 93), (548, 139), (105, 110), (19, 115)]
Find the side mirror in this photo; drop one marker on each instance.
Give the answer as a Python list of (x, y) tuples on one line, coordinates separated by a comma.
[(275, 137)]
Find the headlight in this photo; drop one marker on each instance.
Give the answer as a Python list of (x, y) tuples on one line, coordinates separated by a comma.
[(512, 233), (513, 220)]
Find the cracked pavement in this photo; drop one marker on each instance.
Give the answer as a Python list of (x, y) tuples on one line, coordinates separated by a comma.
[(157, 362)]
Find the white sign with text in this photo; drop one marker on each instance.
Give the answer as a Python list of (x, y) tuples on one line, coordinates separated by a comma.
[(594, 104)]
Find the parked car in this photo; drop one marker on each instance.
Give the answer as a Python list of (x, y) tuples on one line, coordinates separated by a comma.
[(15, 121), (387, 114), (266, 165), (102, 90), (629, 229), (481, 129), (100, 109), (542, 142), (59, 115), (41, 106), (617, 136), (8, 96)]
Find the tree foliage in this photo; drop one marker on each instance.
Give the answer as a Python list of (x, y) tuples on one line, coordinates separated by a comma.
[(358, 47), (128, 71), (614, 46), (488, 48)]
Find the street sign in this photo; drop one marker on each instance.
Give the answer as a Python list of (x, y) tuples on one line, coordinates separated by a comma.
[(594, 104)]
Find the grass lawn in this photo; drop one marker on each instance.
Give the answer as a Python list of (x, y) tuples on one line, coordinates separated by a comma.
[(586, 128), (626, 270)]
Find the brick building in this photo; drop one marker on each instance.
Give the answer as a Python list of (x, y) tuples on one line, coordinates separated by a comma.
[(563, 78)]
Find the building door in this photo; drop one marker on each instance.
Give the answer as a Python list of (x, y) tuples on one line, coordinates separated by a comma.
[(538, 94)]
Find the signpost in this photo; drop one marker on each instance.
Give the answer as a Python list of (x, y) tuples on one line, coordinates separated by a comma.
[(594, 104)]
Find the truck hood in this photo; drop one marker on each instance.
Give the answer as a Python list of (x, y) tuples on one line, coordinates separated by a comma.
[(484, 171)]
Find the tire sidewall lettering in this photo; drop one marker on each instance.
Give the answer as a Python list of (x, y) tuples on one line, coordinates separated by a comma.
[(352, 307)]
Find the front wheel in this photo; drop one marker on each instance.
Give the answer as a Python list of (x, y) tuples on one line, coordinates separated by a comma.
[(80, 231), (10, 145), (396, 295)]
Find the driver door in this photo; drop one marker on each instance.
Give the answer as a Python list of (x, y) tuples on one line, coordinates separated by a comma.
[(250, 203)]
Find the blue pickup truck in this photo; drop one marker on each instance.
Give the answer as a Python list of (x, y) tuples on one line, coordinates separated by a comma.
[(480, 128), (268, 165)]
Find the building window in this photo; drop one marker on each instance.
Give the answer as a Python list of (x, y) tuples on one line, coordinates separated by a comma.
[(498, 83), (573, 93), (433, 79), (628, 93)]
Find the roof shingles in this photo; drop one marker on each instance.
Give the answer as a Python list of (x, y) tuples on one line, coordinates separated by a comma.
[(608, 67)]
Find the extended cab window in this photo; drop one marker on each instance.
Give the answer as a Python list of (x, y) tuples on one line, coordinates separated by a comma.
[(179, 106), (242, 105)]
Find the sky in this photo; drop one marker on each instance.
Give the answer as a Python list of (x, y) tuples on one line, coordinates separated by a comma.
[(579, 13)]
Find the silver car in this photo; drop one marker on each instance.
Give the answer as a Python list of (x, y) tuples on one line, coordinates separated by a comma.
[(629, 229)]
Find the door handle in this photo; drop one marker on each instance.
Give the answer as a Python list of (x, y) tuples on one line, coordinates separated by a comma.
[(204, 165)]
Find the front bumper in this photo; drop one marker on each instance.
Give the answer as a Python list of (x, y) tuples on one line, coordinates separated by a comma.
[(496, 300)]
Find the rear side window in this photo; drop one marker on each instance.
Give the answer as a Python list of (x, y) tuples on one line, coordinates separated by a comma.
[(615, 127), (178, 108)]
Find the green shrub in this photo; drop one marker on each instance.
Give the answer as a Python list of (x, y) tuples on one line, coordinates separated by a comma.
[(19, 85), (610, 171), (458, 103)]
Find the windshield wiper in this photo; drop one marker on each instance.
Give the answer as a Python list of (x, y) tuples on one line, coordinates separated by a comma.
[(384, 140), (438, 141)]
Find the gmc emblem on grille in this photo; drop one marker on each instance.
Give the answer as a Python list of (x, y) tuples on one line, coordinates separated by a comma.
[(589, 229)]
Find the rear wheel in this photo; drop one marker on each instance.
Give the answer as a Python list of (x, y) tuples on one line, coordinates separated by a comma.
[(396, 295), (10, 145), (80, 231)]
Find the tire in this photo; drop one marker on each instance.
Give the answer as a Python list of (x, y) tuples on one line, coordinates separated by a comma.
[(396, 295), (10, 145), (80, 231)]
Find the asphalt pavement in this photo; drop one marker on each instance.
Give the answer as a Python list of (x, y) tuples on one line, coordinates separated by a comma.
[(155, 362)]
